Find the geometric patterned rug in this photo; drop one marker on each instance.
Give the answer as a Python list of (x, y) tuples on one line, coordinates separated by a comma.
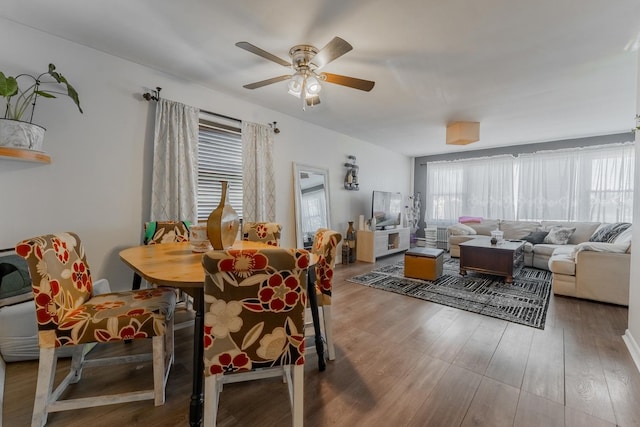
[(524, 301)]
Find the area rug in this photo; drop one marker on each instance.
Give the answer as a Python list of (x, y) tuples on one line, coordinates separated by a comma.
[(524, 301)]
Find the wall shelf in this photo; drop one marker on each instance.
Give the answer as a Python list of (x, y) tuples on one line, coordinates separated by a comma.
[(24, 155)]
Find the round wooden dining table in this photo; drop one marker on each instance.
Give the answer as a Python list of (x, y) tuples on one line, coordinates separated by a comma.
[(176, 265)]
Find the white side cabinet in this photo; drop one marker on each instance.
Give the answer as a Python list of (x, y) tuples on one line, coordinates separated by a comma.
[(375, 244)]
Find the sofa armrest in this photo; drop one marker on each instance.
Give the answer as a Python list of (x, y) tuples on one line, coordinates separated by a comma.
[(603, 276), (600, 247)]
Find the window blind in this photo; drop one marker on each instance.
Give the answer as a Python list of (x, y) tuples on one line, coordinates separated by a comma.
[(219, 159)]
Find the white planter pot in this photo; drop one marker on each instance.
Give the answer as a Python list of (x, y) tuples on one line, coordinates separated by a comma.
[(17, 134)]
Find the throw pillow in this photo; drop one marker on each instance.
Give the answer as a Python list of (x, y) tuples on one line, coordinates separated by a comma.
[(559, 235), (460, 230), (536, 237), (608, 233), (467, 218)]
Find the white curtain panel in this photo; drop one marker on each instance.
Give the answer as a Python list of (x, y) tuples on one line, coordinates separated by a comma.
[(578, 184), (174, 185), (482, 187), (258, 175), (586, 184)]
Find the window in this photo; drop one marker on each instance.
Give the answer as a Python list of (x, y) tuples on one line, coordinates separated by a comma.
[(580, 184), (219, 159)]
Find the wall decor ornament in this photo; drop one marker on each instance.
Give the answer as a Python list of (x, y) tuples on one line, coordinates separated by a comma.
[(412, 211), (223, 222), (351, 178)]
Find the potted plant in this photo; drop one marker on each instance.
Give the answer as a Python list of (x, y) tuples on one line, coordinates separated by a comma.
[(16, 132)]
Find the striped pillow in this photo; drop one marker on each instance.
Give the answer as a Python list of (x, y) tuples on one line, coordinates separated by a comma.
[(609, 232)]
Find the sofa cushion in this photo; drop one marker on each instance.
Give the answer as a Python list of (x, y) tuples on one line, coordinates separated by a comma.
[(518, 229), (584, 230), (536, 237), (609, 232), (485, 227), (562, 264), (559, 235), (547, 249), (460, 230)]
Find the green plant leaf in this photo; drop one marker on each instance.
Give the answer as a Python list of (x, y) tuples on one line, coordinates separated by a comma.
[(45, 94), (8, 86)]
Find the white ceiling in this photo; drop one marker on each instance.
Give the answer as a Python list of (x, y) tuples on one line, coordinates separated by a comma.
[(528, 71)]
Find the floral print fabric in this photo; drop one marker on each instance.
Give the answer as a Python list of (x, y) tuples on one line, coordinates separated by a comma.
[(254, 308), (166, 231), (265, 232), (66, 311), (325, 245)]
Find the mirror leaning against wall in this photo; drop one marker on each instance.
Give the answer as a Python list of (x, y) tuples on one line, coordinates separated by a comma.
[(311, 190)]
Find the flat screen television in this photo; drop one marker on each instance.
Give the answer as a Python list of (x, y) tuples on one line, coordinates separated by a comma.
[(386, 209)]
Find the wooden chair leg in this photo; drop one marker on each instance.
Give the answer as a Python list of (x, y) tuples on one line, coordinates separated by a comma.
[(158, 369), (328, 330), (297, 408), (46, 374), (3, 368), (212, 389), (77, 362)]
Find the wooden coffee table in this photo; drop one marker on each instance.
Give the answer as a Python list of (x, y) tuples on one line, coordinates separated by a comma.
[(502, 259)]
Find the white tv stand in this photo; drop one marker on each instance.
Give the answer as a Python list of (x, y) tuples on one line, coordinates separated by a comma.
[(375, 244)]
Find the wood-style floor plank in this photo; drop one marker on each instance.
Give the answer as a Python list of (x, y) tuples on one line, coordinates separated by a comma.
[(585, 384), (544, 375), (447, 405), (536, 411), (481, 346), (494, 404), (400, 362), (622, 378), (510, 358), (575, 418)]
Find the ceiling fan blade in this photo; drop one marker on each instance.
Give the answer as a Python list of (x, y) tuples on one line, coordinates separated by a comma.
[(266, 82), (352, 82), (263, 53), (333, 50)]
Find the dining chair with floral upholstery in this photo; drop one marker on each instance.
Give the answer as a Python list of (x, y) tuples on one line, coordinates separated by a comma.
[(325, 246), (69, 314), (156, 232), (265, 232), (254, 321)]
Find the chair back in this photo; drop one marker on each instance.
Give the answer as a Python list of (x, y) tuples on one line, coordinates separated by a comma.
[(254, 308), (265, 232), (325, 246), (166, 231), (60, 276)]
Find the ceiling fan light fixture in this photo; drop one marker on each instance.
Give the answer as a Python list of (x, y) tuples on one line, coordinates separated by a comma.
[(312, 86), (295, 85)]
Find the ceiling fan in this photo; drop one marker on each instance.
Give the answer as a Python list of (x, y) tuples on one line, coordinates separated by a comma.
[(306, 61)]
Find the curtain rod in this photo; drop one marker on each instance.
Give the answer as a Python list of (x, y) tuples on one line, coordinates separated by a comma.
[(155, 96)]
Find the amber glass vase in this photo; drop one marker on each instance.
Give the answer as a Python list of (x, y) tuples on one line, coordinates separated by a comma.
[(223, 222)]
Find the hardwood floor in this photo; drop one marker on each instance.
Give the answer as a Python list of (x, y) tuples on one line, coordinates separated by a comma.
[(400, 362)]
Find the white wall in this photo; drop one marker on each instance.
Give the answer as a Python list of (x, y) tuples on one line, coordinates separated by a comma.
[(98, 182), (632, 335)]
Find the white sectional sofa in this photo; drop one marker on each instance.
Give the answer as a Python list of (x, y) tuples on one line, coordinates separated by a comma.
[(581, 268)]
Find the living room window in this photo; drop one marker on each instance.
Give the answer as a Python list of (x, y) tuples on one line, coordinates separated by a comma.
[(583, 184), (219, 158)]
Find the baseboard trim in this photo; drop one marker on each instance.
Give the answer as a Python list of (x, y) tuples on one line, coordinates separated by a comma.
[(632, 345)]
